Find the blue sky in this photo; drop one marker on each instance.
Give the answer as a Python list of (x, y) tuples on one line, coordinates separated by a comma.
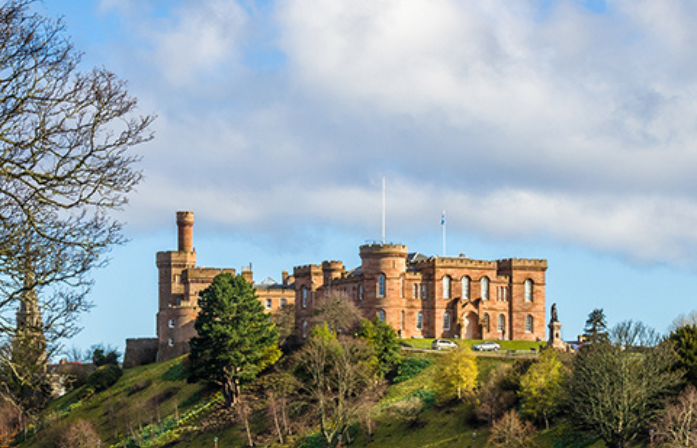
[(562, 130)]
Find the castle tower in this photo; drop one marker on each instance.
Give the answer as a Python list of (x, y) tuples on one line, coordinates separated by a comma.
[(177, 310), (383, 267)]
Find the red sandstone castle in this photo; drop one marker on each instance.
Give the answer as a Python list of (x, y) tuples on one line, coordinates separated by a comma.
[(450, 297)]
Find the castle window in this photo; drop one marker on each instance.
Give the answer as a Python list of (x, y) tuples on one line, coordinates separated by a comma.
[(304, 297), (401, 320), (528, 290), (485, 288), (268, 304), (416, 290), (465, 288), (446, 321), (419, 321), (304, 329), (401, 286), (170, 342), (446, 287), (381, 315), (503, 294), (424, 291), (381, 285), (485, 322), (170, 324), (528, 324), (177, 279), (502, 323), (360, 292), (284, 303)]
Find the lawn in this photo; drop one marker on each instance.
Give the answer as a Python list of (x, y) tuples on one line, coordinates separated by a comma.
[(425, 344)]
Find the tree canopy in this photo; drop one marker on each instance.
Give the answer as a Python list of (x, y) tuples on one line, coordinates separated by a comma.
[(236, 338), (684, 341), (596, 327)]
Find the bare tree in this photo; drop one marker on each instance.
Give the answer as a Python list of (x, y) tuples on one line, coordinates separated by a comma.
[(677, 428), (634, 335), (65, 137), (493, 397), (510, 432), (683, 320), (339, 312)]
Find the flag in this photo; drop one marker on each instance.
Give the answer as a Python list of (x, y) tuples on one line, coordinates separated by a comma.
[(442, 218)]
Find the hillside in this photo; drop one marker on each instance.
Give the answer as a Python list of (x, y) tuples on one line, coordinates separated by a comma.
[(154, 406)]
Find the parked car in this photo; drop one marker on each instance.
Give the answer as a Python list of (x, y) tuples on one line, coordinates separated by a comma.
[(487, 346), (440, 344)]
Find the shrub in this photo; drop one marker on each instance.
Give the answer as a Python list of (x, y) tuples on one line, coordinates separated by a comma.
[(81, 434), (411, 367), (104, 377)]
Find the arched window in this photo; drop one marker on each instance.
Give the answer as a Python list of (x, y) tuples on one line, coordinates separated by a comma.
[(424, 291), (485, 288), (170, 342), (446, 287), (304, 301), (528, 323), (502, 323), (360, 292), (401, 320), (446, 321), (485, 322), (381, 285), (419, 321), (401, 286), (528, 290), (304, 329), (465, 288), (416, 290), (171, 323), (381, 315)]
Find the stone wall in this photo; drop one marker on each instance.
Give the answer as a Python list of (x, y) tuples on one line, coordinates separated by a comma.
[(140, 352)]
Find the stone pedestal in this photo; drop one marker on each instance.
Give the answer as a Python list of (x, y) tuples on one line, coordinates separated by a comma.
[(555, 340)]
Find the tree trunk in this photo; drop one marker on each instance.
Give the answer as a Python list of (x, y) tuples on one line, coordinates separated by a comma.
[(276, 421)]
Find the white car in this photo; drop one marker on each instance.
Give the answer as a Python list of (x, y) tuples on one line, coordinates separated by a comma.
[(440, 344), (487, 346)]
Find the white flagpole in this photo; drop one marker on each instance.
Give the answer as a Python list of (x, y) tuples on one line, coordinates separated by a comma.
[(442, 223), (383, 210)]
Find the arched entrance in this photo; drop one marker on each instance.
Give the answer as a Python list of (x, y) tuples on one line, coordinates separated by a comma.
[(470, 321)]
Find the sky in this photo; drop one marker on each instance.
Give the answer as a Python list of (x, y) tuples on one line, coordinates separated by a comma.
[(562, 130)]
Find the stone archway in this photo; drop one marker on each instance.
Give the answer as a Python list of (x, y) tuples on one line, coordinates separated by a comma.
[(470, 322)]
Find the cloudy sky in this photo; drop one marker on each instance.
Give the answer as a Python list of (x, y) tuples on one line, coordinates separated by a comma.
[(563, 130)]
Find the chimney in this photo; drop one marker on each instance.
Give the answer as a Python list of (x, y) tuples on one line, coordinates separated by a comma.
[(285, 277), (185, 226)]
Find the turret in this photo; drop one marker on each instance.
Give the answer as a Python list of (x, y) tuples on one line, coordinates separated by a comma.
[(185, 226)]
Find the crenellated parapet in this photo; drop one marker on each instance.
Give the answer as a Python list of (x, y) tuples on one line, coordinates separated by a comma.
[(382, 250), (307, 270), (523, 263)]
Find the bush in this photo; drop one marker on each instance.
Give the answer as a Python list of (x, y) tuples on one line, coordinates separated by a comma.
[(411, 367), (104, 377), (81, 434)]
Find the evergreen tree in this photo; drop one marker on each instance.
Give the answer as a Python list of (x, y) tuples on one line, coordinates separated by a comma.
[(236, 338), (596, 327), (684, 341), (384, 341)]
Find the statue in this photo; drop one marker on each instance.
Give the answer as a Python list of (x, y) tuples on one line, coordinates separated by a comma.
[(555, 317)]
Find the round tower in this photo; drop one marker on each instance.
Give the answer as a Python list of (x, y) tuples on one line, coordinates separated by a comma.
[(383, 266), (185, 227)]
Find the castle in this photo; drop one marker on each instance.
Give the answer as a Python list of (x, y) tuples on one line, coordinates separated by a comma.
[(449, 297)]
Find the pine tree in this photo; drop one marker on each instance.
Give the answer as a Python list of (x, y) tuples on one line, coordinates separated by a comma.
[(384, 341), (236, 338), (684, 341), (596, 327)]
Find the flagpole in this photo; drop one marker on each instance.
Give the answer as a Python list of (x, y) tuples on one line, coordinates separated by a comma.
[(442, 222), (383, 210)]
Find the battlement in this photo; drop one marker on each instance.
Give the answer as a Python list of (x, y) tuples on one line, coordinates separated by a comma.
[(383, 250), (455, 262), (174, 257), (522, 263), (307, 269), (205, 273)]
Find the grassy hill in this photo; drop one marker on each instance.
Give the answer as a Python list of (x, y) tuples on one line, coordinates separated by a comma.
[(154, 406)]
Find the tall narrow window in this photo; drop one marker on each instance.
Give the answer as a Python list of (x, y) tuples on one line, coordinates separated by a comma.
[(416, 290), (502, 323), (528, 324), (381, 285), (528, 290), (304, 301), (424, 291), (446, 287), (360, 291), (381, 315), (170, 342), (465, 288), (284, 303), (401, 286), (485, 288), (171, 323), (419, 321), (401, 320), (268, 304), (446, 321), (485, 323), (304, 329)]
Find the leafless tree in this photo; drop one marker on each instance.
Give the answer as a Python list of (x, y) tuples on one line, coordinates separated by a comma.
[(493, 398), (683, 320), (339, 312), (510, 432), (677, 428), (634, 335), (65, 165)]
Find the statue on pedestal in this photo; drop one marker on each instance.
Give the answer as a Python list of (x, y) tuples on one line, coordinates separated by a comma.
[(555, 340)]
